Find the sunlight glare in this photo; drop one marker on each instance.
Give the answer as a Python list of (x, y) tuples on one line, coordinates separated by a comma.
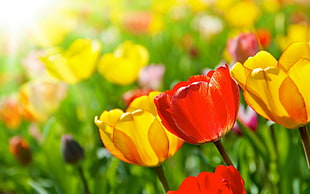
[(18, 15)]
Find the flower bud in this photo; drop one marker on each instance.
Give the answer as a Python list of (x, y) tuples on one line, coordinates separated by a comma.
[(71, 150), (20, 149)]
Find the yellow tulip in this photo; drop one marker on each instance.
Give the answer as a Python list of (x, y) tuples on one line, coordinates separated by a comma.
[(242, 14), (278, 90), (295, 33), (137, 136), (124, 64), (77, 63)]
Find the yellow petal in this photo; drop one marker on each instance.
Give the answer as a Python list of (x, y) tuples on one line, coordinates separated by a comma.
[(57, 67), (293, 53), (118, 70), (106, 125), (240, 74), (134, 52), (124, 64), (136, 126), (75, 64), (293, 102), (82, 56), (262, 60), (163, 142), (144, 102), (159, 140), (262, 94), (127, 147), (299, 73)]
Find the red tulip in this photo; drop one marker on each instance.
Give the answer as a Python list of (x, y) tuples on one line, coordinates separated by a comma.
[(225, 180), (202, 109), (20, 149)]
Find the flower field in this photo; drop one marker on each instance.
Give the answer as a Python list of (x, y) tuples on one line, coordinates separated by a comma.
[(149, 97)]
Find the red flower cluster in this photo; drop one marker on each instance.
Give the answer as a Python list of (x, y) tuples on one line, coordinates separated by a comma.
[(225, 180), (202, 109)]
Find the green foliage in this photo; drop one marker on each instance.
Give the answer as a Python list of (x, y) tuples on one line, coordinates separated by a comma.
[(270, 160)]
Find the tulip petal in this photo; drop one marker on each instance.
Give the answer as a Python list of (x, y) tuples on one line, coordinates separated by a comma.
[(118, 70), (261, 60), (127, 147), (299, 73), (189, 185), (83, 55), (233, 177), (136, 126), (162, 103), (158, 140), (227, 91), (213, 183), (262, 94), (240, 73), (193, 107), (293, 53), (106, 125), (293, 101), (145, 102), (186, 104)]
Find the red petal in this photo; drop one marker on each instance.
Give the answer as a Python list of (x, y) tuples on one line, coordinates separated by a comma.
[(233, 178), (189, 185), (162, 103), (212, 183), (206, 110), (226, 97), (192, 110), (197, 78)]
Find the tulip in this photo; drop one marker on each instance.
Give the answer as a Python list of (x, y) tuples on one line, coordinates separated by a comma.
[(242, 14), (295, 33), (10, 112), (72, 151), (20, 149), (124, 64), (278, 90), (41, 98), (202, 109), (242, 46), (137, 135), (264, 37), (75, 64), (226, 179), (73, 154)]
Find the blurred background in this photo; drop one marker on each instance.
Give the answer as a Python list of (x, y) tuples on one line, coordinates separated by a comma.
[(63, 62)]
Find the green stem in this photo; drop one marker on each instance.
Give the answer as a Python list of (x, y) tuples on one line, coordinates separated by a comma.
[(83, 180), (305, 143), (223, 153), (162, 178)]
